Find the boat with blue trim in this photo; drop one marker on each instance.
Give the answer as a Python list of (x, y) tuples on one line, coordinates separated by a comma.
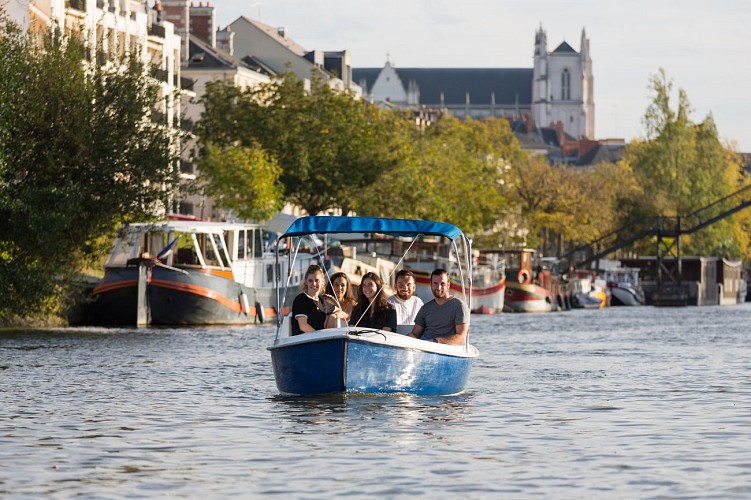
[(353, 359)]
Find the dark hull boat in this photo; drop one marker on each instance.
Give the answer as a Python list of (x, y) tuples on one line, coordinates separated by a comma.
[(189, 273)]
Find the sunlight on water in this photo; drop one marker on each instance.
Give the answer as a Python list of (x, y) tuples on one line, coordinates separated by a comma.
[(622, 402)]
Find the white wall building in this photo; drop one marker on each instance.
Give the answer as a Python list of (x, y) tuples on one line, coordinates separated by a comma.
[(563, 87), (559, 87), (116, 26)]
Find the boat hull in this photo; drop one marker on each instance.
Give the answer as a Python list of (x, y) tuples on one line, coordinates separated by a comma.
[(621, 296), (527, 297), (485, 299), (366, 361), (186, 297)]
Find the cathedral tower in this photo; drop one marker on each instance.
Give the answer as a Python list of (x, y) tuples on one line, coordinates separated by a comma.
[(563, 87)]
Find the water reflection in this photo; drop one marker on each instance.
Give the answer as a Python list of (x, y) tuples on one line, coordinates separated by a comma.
[(387, 409)]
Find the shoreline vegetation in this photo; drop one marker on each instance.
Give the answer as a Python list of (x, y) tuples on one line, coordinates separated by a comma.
[(110, 160)]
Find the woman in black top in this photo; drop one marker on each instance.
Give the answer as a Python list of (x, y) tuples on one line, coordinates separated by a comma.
[(307, 309), (372, 309)]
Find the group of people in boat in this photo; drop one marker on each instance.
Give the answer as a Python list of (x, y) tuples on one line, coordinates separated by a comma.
[(444, 319)]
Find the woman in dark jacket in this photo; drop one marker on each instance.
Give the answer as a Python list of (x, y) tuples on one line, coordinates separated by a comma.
[(372, 309)]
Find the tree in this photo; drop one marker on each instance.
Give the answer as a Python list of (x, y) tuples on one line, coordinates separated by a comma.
[(78, 155), (243, 179), (329, 144), (454, 171), (682, 166)]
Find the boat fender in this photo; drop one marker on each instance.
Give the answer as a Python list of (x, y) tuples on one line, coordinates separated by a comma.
[(244, 305), (523, 276), (259, 312)]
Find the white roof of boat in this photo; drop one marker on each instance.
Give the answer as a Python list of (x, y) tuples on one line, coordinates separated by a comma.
[(189, 226)]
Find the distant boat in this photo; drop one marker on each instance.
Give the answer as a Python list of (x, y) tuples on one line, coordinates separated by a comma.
[(625, 289), (530, 287), (352, 359), (380, 254), (588, 291), (187, 272)]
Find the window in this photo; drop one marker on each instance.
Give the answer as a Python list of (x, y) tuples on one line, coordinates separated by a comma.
[(565, 85)]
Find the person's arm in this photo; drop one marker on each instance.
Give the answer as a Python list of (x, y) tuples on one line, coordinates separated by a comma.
[(390, 325), (416, 331), (458, 338), (338, 314), (304, 325)]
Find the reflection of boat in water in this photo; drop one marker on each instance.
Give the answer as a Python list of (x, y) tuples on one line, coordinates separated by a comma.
[(624, 286), (366, 360), (588, 291), (184, 272)]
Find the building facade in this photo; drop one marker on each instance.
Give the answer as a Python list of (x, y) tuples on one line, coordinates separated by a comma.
[(558, 88), (563, 87)]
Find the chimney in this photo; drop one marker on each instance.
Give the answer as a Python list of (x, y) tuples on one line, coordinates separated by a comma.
[(203, 22), (282, 32)]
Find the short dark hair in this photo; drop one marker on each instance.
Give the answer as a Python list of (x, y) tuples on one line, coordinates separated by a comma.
[(404, 272), (438, 272)]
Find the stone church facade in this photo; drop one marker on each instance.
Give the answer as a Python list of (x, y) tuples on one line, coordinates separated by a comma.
[(557, 89)]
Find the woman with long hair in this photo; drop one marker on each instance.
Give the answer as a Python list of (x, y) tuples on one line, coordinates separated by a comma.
[(309, 309), (341, 288), (372, 309)]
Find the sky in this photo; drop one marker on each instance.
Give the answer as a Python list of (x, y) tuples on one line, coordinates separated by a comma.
[(704, 46)]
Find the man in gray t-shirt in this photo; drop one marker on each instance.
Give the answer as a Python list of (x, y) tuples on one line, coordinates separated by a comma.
[(445, 319)]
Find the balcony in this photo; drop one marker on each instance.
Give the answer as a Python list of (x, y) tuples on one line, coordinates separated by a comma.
[(157, 30), (76, 4)]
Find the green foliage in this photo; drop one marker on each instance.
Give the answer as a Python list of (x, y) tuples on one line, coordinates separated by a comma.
[(455, 171), (329, 145), (243, 179), (78, 154), (682, 166)]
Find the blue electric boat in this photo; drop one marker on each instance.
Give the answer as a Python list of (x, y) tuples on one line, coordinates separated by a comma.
[(352, 359)]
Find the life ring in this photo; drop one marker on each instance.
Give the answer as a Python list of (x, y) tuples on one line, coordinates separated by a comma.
[(523, 276)]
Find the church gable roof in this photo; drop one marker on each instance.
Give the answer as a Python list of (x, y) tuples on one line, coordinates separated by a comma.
[(509, 85), (564, 48)]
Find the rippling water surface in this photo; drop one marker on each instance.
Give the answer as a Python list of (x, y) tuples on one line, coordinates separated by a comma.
[(616, 403)]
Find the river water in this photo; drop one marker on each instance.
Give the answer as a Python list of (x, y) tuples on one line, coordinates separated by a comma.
[(617, 403)]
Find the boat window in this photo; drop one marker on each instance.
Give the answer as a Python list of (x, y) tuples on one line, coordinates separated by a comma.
[(157, 244), (185, 252), (124, 248), (216, 253), (513, 260), (268, 240), (242, 244), (210, 250), (258, 246)]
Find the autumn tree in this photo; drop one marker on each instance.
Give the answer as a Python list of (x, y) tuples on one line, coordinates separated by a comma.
[(243, 179)]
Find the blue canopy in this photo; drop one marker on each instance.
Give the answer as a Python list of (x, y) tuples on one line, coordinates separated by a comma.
[(328, 224)]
